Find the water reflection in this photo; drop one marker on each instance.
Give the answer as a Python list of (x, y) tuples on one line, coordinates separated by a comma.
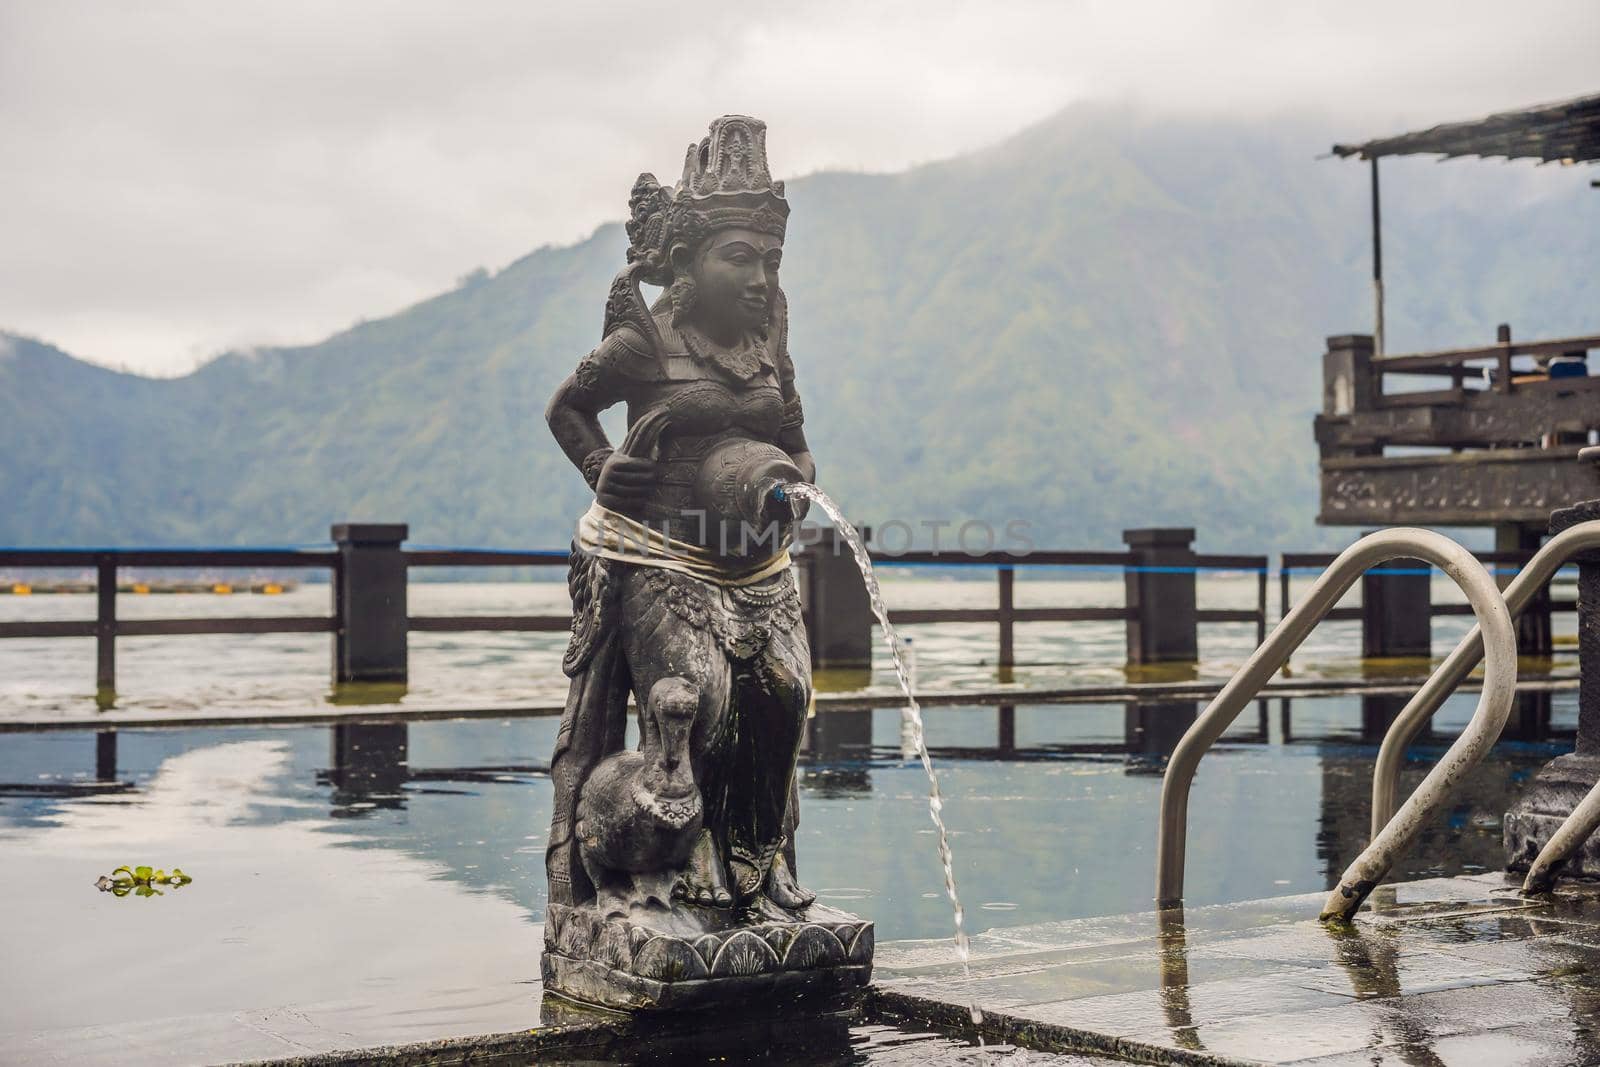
[(369, 769), (1173, 955), (813, 1039), (105, 755), (282, 911), (368, 765), (1469, 838), (78, 783), (1152, 731), (839, 741), (839, 737), (452, 819), (1025, 778), (1531, 718), (1440, 973)]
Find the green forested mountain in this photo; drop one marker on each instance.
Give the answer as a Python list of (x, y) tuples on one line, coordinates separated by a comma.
[(1105, 321)]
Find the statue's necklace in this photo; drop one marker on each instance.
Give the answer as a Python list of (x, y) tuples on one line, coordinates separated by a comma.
[(740, 363)]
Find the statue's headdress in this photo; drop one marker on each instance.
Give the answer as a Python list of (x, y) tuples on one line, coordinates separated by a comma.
[(726, 183)]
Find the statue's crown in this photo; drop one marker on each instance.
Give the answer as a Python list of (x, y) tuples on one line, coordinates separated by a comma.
[(726, 183), (731, 160)]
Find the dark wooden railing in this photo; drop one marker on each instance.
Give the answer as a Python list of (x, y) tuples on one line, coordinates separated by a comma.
[(1458, 364), (367, 568), (1006, 615), (368, 572), (477, 557), (105, 627)]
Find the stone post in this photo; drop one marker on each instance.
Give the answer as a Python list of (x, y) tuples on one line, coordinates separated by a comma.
[(369, 603), (1530, 715), (838, 613), (1396, 623), (1397, 610), (1565, 780), (1160, 590), (1348, 385), (105, 630), (1533, 625)]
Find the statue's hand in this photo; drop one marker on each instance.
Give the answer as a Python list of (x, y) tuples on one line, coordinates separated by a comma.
[(625, 482)]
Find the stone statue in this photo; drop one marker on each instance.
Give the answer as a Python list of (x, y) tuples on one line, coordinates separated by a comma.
[(672, 868)]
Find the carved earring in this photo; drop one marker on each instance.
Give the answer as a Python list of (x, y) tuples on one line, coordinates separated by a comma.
[(682, 293)]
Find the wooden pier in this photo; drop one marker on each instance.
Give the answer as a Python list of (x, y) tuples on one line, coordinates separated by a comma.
[(1504, 434)]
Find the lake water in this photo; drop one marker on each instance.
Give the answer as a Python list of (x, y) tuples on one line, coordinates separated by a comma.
[(368, 883)]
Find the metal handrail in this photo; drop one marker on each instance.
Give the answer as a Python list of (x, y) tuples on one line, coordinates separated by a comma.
[(1534, 576), (1499, 685)]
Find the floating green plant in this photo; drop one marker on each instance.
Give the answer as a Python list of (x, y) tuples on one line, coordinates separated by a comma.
[(141, 881)]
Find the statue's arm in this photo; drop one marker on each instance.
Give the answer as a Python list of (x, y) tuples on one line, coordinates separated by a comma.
[(792, 437), (602, 378)]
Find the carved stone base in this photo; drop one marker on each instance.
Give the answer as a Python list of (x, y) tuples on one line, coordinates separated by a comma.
[(1550, 798), (627, 966)]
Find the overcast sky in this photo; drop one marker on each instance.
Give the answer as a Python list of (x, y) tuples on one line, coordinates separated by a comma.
[(179, 179)]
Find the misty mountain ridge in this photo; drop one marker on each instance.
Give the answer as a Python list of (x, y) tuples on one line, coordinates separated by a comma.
[(1105, 321)]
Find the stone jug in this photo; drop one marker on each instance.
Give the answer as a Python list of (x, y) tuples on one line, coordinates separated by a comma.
[(735, 485)]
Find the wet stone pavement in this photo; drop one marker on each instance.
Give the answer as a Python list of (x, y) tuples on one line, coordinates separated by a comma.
[(1437, 972)]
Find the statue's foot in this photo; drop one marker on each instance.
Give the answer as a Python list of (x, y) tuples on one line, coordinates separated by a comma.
[(703, 880), (782, 889)]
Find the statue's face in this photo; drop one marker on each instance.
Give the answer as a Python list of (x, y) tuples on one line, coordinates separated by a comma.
[(736, 275)]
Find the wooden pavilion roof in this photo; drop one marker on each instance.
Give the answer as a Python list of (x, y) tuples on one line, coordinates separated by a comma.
[(1567, 132)]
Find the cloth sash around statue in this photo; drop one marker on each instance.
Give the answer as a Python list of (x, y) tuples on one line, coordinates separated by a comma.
[(612, 535)]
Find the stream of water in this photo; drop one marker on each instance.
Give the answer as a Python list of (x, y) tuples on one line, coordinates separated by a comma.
[(803, 491)]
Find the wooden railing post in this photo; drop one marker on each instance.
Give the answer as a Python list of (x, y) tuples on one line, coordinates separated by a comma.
[(1160, 590), (1283, 586), (105, 629), (1261, 604), (1008, 659), (1502, 336), (369, 603)]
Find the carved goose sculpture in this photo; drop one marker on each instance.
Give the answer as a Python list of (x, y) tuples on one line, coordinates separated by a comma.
[(639, 812)]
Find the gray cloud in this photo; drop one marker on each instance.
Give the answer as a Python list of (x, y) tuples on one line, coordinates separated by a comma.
[(183, 178)]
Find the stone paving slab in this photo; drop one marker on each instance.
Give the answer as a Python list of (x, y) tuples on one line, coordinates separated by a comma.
[(1436, 972)]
